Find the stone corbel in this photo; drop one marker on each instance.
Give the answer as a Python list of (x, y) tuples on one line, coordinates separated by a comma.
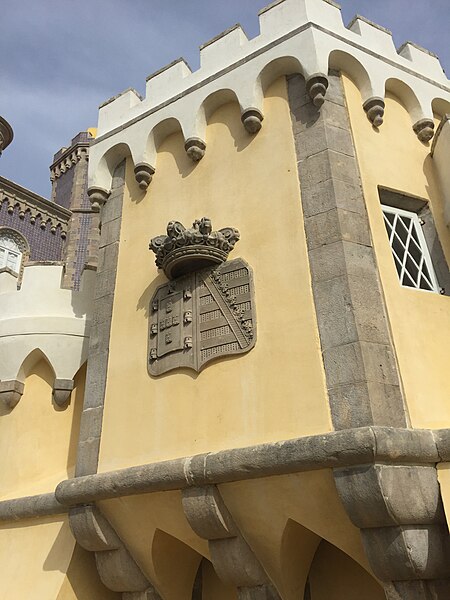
[(117, 568), (231, 556), (374, 109), (399, 512), (424, 129), (62, 388), (252, 119), (195, 148), (316, 87), (11, 392), (98, 196), (143, 173)]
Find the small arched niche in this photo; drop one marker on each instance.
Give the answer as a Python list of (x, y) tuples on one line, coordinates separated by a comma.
[(334, 575)]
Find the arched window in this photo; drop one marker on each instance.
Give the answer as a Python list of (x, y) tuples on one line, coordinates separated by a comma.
[(12, 249)]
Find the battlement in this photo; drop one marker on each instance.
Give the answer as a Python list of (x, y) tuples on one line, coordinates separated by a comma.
[(309, 33)]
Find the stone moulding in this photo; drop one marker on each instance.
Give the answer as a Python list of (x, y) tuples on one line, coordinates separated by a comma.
[(333, 450)]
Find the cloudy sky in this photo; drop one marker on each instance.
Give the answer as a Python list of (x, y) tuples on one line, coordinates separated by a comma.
[(59, 59)]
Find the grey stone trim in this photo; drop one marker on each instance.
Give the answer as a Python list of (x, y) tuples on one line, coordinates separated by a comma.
[(231, 556), (401, 517), (359, 360), (355, 447), (169, 66), (11, 392), (130, 89), (365, 20), (421, 48), (339, 450), (91, 418), (31, 507), (221, 35), (117, 568), (255, 54), (62, 388)]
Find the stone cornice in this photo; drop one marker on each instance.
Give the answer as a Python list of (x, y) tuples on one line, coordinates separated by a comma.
[(16, 195), (66, 158), (333, 450)]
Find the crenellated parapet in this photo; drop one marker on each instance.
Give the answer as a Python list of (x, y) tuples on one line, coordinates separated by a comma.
[(39, 321), (307, 37)]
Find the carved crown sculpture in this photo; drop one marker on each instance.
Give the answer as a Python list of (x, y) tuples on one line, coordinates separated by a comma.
[(184, 250)]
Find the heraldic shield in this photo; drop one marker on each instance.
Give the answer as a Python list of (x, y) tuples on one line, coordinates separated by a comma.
[(202, 316)]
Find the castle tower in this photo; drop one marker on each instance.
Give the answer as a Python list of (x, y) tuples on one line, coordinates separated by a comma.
[(68, 174)]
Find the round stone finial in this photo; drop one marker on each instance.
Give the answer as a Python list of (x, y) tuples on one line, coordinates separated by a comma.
[(252, 119), (317, 86), (374, 108), (195, 148), (143, 173), (98, 196), (424, 129), (6, 134)]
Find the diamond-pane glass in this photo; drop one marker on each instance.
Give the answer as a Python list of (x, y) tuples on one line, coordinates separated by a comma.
[(409, 250)]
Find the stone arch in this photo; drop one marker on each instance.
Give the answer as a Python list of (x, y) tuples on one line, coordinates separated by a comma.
[(351, 66), (406, 96), (107, 164), (284, 65), (160, 132)]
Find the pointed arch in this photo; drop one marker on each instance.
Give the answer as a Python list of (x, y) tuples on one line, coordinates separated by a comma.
[(29, 363)]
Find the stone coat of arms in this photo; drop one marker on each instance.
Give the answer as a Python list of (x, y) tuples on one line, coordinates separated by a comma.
[(207, 309)]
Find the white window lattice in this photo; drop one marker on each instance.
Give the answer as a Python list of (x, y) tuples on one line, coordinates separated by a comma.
[(10, 253), (409, 249)]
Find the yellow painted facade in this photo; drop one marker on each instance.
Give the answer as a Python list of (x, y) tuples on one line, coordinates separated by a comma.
[(234, 402), (419, 320), (305, 528)]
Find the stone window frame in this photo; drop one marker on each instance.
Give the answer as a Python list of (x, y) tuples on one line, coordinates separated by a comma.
[(421, 207), (24, 247)]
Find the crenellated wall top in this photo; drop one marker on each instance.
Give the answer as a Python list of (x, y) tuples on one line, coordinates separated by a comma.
[(296, 36)]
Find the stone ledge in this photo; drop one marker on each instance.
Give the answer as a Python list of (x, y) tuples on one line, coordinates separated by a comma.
[(337, 449)]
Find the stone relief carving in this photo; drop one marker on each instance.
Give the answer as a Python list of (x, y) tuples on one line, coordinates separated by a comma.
[(207, 309)]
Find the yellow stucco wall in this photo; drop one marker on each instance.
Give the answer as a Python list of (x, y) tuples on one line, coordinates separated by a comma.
[(82, 581), (392, 157), (34, 557), (277, 390), (38, 440)]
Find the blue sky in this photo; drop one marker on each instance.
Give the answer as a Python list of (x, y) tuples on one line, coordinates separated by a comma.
[(59, 59)]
